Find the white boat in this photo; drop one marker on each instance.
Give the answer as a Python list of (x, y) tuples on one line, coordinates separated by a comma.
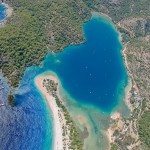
[(2, 105)]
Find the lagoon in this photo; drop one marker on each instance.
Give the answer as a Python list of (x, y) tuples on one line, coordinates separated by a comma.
[(92, 73)]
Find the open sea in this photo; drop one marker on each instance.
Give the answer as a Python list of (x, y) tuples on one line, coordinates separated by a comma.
[(93, 79)]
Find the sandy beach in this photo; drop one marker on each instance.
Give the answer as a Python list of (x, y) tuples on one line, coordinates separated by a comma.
[(109, 132), (58, 117), (115, 116)]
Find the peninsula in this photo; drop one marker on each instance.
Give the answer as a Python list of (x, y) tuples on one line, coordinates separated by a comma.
[(65, 134)]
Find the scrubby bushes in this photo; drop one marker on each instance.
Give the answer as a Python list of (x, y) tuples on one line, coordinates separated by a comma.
[(144, 128)]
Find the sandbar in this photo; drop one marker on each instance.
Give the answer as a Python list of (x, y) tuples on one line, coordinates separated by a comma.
[(58, 116)]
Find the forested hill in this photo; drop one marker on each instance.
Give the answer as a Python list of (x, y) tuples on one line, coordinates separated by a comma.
[(35, 28)]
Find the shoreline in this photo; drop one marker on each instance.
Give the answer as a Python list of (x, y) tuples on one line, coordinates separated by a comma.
[(117, 115), (8, 10), (128, 94), (8, 13), (58, 116), (114, 116)]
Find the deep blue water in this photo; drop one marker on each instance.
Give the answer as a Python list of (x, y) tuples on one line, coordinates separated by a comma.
[(27, 126), (2, 12), (92, 73)]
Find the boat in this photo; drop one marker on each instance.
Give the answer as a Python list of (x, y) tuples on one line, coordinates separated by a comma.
[(2, 104)]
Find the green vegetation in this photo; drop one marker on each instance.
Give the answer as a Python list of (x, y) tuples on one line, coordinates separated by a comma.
[(50, 85), (144, 128), (120, 9), (114, 147), (124, 34), (11, 100), (35, 28), (21, 45), (76, 141)]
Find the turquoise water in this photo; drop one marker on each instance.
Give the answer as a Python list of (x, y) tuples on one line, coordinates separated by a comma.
[(92, 74), (2, 12)]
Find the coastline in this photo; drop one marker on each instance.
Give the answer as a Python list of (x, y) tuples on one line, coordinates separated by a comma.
[(116, 116), (8, 10), (58, 116), (128, 94)]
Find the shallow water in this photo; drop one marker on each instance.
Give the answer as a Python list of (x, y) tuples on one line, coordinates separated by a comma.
[(93, 78)]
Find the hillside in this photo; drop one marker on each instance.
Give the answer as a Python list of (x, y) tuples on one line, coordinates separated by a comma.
[(36, 28)]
